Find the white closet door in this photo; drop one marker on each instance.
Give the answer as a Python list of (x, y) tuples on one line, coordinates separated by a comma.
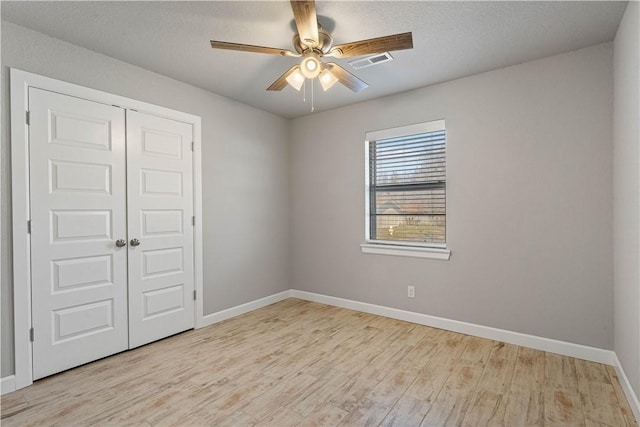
[(160, 209), (78, 211)]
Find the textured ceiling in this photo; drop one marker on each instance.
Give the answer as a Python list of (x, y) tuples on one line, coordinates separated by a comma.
[(451, 40)]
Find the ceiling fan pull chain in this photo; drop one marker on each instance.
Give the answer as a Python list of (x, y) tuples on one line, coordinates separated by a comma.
[(312, 106), (304, 91)]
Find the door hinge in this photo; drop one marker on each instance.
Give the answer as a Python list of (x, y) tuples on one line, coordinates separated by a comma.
[(194, 295), (28, 226), (193, 146), (28, 117), (193, 220), (31, 334)]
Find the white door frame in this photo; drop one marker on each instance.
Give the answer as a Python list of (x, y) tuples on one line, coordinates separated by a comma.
[(20, 81)]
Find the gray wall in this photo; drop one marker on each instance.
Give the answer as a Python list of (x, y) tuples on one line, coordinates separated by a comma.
[(244, 161), (626, 193), (530, 173), (529, 168)]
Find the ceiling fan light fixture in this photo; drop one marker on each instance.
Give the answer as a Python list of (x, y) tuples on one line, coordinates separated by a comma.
[(295, 79), (312, 42), (327, 79), (311, 65)]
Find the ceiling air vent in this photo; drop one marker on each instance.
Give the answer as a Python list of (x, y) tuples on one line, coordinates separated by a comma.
[(378, 58)]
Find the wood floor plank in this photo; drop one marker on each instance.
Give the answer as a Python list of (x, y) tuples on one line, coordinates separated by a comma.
[(487, 409), (477, 351), (300, 363), (452, 402), (490, 402), (367, 413), (353, 391), (529, 369), (562, 402), (283, 392), (326, 415), (598, 397), (281, 417), (391, 388), (13, 404), (525, 399), (418, 356), (560, 372), (524, 407), (318, 393), (407, 411), (622, 400), (432, 377)]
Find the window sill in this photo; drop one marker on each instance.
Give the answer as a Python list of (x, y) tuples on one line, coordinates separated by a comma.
[(410, 251)]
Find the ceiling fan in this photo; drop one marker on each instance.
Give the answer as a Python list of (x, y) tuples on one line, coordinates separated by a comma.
[(312, 43)]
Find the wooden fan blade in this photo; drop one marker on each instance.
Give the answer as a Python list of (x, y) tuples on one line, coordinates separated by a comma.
[(281, 82), (251, 48), (304, 13), (370, 46), (346, 78)]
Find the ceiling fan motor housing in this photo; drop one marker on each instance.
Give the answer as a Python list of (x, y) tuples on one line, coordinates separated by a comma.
[(325, 42)]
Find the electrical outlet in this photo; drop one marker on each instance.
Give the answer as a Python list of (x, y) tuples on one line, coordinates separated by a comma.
[(411, 291)]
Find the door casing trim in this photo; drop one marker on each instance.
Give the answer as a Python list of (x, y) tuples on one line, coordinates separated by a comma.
[(20, 81)]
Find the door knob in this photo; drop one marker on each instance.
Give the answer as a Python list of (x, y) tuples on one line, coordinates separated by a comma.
[(135, 242), (121, 242)]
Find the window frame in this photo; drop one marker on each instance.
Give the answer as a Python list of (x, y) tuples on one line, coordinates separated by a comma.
[(399, 247)]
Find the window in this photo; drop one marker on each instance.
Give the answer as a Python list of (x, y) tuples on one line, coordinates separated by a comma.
[(406, 191)]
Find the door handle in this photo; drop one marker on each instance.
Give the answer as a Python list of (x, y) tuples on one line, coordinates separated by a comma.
[(135, 242), (121, 242)]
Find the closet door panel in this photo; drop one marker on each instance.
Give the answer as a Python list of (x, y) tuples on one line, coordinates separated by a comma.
[(160, 209), (78, 211)]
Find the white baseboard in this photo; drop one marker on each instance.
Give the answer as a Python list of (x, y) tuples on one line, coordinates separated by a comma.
[(219, 316), (8, 384), (578, 351), (628, 390)]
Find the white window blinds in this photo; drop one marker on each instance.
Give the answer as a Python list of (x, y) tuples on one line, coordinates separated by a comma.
[(407, 187)]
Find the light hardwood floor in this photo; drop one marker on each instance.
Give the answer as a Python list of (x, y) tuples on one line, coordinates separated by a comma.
[(301, 363)]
